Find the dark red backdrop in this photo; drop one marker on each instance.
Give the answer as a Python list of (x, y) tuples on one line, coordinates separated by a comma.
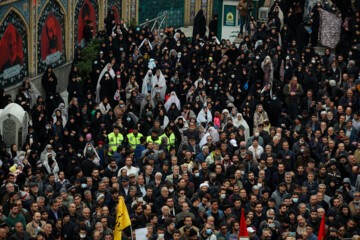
[(11, 48), (88, 11), (54, 29)]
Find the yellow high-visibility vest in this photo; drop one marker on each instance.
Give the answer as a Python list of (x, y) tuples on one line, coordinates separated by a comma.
[(114, 141), (134, 141)]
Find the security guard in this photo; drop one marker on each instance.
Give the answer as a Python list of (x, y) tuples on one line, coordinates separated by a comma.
[(115, 140), (170, 137), (154, 138), (134, 138)]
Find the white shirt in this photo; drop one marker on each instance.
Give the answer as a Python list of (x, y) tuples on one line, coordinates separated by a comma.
[(130, 170)]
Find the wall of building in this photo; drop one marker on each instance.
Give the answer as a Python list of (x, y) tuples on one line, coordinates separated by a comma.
[(37, 34)]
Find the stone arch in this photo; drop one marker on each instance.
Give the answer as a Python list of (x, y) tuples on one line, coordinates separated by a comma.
[(43, 8), (17, 12)]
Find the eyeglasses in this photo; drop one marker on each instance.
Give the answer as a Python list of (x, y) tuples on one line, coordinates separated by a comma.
[(223, 229)]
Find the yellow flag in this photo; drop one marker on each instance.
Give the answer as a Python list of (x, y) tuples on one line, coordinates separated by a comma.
[(122, 219)]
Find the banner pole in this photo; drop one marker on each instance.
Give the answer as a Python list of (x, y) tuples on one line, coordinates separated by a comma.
[(132, 236)]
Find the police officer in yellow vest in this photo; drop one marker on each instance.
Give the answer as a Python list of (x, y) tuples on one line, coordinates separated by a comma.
[(134, 138), (115, 140), (154, 138), (170, 137)]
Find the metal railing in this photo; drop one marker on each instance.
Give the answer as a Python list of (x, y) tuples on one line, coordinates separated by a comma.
[(156, 22)]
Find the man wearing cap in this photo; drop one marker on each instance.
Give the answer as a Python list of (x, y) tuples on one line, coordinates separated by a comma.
[(279, 194), (115, 140), (134, 138), (154, 137)]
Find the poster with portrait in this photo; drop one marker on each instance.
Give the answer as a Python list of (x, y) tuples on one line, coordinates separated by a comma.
[(51, 50), (115, 6), (13, 49), (85, 13), (51, 41)]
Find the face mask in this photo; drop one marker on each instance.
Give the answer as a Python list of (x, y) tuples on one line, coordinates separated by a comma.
[(333, 9), (301, 150), (51, 97), (82, 235), (161, 34), (121, 106), (83, 185), (208, 231), (128, 119), (274, 98), (295, 200), (118, 76), (161, 235), (79, 155), (272, 225), (178, 44), (242, 173), (257, 57), (171, 190), (137, 29), (223, 196), (140, 199), (232, 76), (313, 61), (197, 174), (257, 134), (301, 142), (259, 185), (89, 148)]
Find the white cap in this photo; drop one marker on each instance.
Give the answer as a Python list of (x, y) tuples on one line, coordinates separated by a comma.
[(204, 185), (250, 230), (233, 142)]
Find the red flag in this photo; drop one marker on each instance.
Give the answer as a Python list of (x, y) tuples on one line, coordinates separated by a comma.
[(243, 228), (322, 230)]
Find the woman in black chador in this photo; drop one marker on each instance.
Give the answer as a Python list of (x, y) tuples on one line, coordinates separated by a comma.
[(199, 24)]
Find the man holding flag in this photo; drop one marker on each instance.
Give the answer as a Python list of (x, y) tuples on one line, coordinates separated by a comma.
[(322, 230), (122, 219)]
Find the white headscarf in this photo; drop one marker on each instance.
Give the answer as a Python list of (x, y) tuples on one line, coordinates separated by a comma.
[(237, 123), (160, 81), (143, 42), (98, 87), (201, 116), (144, 87), (172, 99), (214, 134), (96, 158)]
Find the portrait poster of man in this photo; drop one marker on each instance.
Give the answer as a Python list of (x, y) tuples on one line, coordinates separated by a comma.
[(51, 40), (87, 13), (11, 49)]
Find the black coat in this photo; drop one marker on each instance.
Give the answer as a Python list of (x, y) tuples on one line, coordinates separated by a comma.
[(199, 24)]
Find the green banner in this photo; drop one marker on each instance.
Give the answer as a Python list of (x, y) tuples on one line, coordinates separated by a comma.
[(229, 15)]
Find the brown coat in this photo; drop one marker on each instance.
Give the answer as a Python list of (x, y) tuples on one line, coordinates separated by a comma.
[(242, 7), (31, 229)]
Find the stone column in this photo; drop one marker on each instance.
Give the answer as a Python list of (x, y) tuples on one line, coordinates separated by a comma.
[(31, 43), (68, 30)]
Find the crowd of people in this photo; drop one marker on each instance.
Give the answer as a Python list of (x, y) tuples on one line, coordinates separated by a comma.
[(191, 131)]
